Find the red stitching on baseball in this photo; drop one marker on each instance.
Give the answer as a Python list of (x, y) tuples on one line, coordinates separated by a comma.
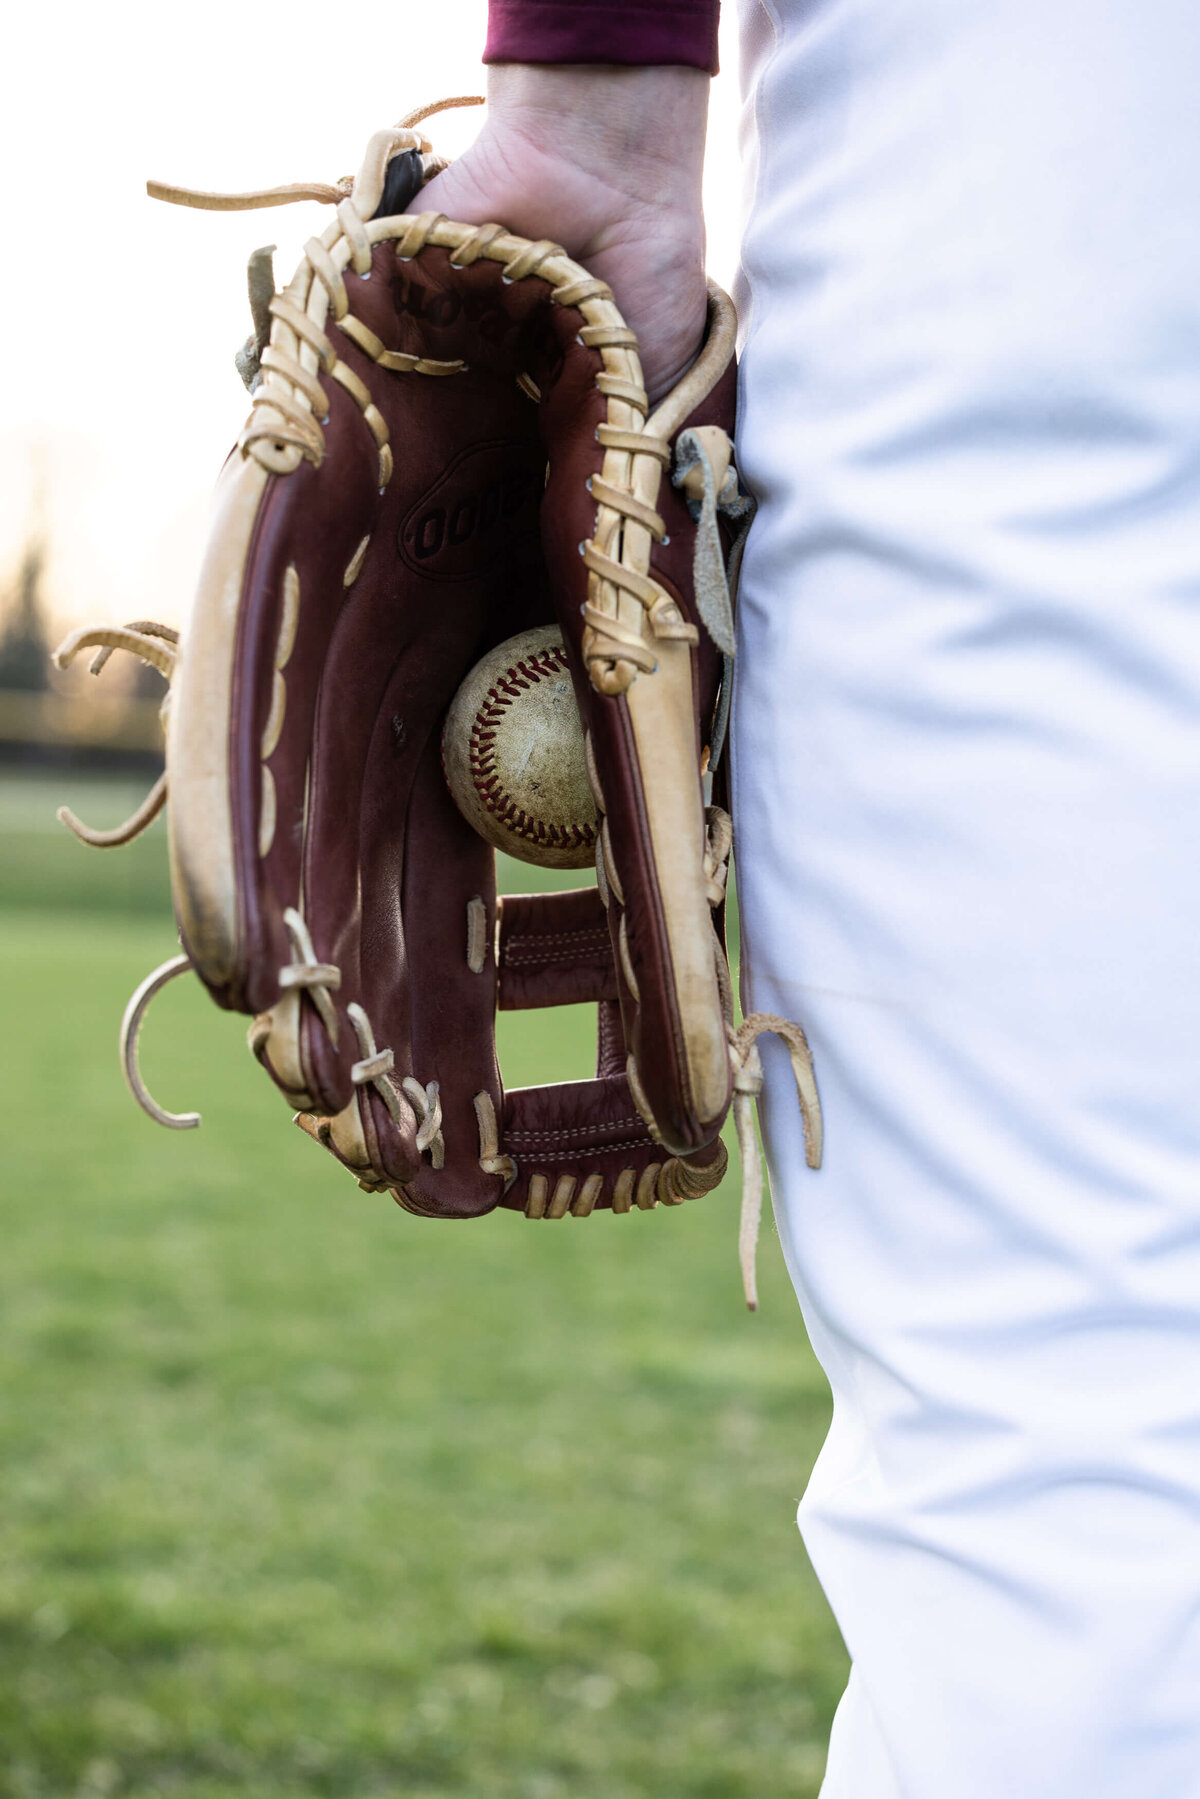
[(485, 777)]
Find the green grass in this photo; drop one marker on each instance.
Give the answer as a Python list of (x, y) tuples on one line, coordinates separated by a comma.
[(43, 864), (304, 1496)]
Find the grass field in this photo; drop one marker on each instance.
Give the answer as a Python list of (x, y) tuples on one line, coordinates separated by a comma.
[(303, 1496), (42, 866)]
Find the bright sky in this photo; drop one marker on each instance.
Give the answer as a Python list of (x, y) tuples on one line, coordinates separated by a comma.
[(120, 395)]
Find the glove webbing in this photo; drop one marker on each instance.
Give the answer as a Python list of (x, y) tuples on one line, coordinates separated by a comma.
[(289, 405)]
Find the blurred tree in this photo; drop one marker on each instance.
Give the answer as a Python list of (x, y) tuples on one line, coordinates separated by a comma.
[(24, 644)]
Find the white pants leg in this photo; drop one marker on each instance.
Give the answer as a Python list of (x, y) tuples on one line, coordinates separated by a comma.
[(966, 762)]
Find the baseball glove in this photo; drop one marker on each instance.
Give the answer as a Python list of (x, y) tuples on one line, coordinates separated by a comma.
[(465, 589)]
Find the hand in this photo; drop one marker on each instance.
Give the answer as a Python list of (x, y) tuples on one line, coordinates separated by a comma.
[(607, 162)]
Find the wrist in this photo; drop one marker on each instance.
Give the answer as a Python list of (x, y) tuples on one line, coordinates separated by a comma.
[(608, 163), (641, 128)]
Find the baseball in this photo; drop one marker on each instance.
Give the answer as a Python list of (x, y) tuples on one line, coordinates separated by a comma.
[(513, 753)]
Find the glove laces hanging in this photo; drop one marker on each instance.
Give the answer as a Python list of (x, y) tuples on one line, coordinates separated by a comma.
[(747, 1068), (155, 645), (747, 1086)]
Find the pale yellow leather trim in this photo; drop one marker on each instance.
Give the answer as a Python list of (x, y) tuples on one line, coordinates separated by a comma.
[(607, 874), (589, 1193), (626, 963), (622, 1197), (346, 1135), (705, 372), (660, 712), (289, 618), (200, 824), (266, 813), (354, 566), (535, 1203), (282, 1043), (274, 724)]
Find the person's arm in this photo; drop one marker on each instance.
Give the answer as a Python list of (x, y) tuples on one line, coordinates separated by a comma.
[(603, 157), (635, 32)]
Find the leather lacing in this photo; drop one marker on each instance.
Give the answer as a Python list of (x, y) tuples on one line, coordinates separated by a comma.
[(305, 974), (747, 1087), (375, 1067), (747, 1070), (289, 407), (677, 1180), (667, 1183), (156, 646)]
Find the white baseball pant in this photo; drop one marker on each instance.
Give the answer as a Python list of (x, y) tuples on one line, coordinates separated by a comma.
[(966, 761)]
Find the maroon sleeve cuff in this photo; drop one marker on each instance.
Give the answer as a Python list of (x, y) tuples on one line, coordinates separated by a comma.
[(613, 31)]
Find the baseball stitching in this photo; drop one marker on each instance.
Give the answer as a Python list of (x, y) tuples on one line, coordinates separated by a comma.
[(482, 755)]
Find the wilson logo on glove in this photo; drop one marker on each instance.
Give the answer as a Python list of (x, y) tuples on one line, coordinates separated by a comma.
[(418, 485), (487, 495)]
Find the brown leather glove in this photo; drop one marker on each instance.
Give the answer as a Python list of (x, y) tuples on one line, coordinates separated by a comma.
[(450, 444)]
